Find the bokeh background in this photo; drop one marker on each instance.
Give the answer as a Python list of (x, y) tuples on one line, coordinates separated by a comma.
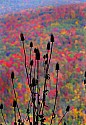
[(37, 20)]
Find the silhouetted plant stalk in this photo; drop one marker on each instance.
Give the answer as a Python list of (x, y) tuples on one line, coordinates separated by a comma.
[(1, 107), (85, 80), (31, 64), (15, 103), (64, 123), (53, 112), (37, 57), (37, 105), (67, 110), (22, 39)]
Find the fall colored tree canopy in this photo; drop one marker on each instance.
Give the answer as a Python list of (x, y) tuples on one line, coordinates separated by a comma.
[(68, 25)]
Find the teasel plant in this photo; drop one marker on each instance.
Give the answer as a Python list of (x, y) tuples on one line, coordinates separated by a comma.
[(85, 80), (1, 108), (38, 107), (38, 103)]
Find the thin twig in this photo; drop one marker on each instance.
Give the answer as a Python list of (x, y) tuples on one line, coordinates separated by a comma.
[(16, 99), (3, 117)]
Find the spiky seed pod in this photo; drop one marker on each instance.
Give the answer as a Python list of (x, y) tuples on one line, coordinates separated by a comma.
[(12, 75), (22, 37), (1, 106), (33, 80), (37, 55), (52, 38), (68, 108), (31, 44), (57, 66), (31, 62), (46, 55), (35, 50)]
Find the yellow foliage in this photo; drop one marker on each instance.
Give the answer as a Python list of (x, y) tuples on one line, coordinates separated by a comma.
[(69, 85), (26, 97), (16, 94), (55, 24), (75, 112), (77, 22), (63, 54), (63, 32), (80, 113), (75, 91), (84, 118), (85, 27), (19, 85), (60, 112), (65, 49), (76, 41), (28, 89), (4, 47), (76, 66), (81, 72), (73, 15), (38, 27)]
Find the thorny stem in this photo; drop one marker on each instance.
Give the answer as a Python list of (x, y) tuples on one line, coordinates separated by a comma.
[(3, 117), (37, 91), (62, 118), (16, 99), (25, 61), (45, 78), (55, 99)]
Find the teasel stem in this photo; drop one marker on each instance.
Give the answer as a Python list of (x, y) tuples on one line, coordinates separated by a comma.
[(50, 55), (44, 95), (1, 107), (12, 77), (15, 113), (62, 118), (85, 80), (26, 65), (23, 39), (16, 99), (25, 62), (37, 91), (3, 117), (33, 107), (67, 110), (55, 99), (34, 90), (31, 61), (52, 41)]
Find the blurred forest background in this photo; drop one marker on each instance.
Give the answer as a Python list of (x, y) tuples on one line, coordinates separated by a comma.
[(67, 22)]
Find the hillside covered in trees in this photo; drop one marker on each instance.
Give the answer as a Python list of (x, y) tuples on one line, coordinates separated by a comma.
[(68, 25)]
